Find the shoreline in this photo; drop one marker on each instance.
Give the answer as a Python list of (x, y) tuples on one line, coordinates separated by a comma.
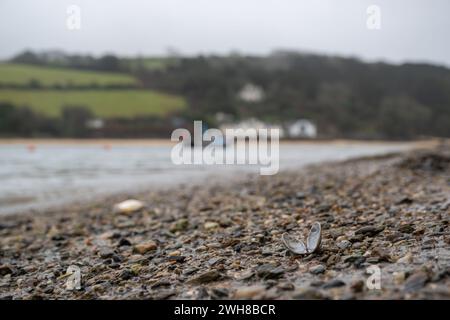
[(223, 240), (427, 143), (88, 201), (13, 206)]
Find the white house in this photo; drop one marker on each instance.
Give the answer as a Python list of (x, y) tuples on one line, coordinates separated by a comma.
[(302, 128), (95, 124), (251, 93)]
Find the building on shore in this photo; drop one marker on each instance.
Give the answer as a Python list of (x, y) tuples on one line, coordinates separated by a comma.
[(302, 128), (251, 93)]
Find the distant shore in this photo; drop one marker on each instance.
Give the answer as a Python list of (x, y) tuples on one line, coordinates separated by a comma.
[(427, 143)]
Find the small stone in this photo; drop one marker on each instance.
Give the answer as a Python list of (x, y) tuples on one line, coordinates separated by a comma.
[(164, 294), (332, 259), (416, 281), (174, 253), (126, 274), (352, 258), (381, 254), (206, 277), (136, 268), (180, 225), (117, 258), (395, 236), (404, 200), (307, 294), (249, 292), (373, 260), (267, 252), (217, 293), (406, 228), (344, 244), (335, 283), (300, 195), (177, 258), (214, 261), (357, 286), (145, 247), (317, 269), (337, 234), (406, 259), (244, 275), (161, 283), (286, 286), (5, 269), (399, 277), (369, 231), (211, 225), (105, 252), (213, 245), (108, 235), (269, 271), (189, 271), (124, 242)]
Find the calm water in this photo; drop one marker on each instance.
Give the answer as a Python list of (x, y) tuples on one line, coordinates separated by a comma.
[(58, 174)]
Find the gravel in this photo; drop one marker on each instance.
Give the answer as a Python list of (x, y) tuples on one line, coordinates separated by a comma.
[(222, 240)]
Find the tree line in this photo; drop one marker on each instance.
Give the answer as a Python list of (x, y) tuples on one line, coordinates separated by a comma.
[(345, 97)]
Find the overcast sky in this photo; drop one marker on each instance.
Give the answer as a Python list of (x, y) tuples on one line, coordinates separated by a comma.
[(411, 30)]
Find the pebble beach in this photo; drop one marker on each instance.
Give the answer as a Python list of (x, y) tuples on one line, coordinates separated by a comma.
[(383, 215)]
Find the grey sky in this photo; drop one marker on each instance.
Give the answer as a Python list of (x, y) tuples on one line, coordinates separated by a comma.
[(412, 30)]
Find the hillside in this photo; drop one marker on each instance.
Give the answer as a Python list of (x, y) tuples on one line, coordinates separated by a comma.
[(344, 97), (12, 74), (102, 103)]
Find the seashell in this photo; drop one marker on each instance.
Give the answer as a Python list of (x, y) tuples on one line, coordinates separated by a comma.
[(312, 243), (129, 206), (314, 237), (297, 247)]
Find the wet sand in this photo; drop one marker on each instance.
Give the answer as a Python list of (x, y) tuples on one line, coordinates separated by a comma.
[(223, 240)]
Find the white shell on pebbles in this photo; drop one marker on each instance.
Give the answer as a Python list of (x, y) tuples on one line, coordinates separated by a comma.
[(312, 242), (129, 206), (297, 247), (314, 237)]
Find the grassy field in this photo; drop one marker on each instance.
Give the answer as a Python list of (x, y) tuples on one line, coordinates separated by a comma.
[(134, 64), (103, 103), (18, 74)]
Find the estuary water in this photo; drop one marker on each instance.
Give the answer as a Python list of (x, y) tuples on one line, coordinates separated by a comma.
[(47, 175)]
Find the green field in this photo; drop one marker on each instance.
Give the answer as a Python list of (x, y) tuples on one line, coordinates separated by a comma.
[(103, 103), (135, 64), (18, 74)]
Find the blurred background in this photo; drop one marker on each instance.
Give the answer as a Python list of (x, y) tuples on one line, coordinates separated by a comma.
[(317, 70), (352, 69)]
